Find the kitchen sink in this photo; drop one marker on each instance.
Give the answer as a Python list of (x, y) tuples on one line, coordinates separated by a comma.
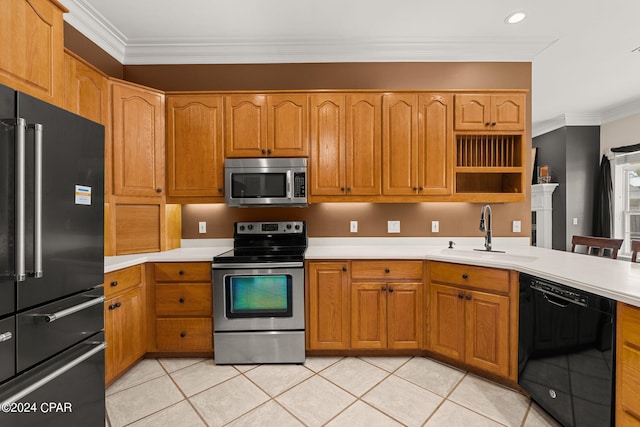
[(483, 254)]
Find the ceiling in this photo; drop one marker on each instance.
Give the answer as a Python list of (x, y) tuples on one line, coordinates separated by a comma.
[(585, 54)]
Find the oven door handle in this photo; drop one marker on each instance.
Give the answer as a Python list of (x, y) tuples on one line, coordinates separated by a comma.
[(249, 265), (55, 374)]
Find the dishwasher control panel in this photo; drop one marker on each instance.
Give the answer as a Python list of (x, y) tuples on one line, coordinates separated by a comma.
[(559, 291)]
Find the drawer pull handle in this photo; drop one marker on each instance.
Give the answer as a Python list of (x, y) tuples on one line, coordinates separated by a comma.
[(6, 336), (465, 276), (181, 300), (183, 334), (181, 272), (114, 283), (52, 317), (386, 270)]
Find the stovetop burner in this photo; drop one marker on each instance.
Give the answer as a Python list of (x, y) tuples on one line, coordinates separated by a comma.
[(270, 242)]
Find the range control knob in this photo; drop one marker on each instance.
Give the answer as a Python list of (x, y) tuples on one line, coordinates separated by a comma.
[(241, 228), (297, 227), (250, 227), (288, 226)]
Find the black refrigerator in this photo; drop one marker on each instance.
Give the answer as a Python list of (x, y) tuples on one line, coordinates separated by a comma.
[(51, 265)]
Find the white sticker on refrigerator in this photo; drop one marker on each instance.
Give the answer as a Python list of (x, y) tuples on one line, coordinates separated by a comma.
[(83, 195)]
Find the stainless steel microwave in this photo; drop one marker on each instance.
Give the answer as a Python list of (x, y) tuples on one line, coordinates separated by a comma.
[(266, 181)]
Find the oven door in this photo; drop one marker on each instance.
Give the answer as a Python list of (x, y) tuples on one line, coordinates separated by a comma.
[(258, 297)]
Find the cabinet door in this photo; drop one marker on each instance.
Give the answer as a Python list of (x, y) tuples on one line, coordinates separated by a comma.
[(405, 315), (246, 125), (86, 91), (446, 321), (124, 332), (507, 112), (487, 332), (33, 47), (138, 141), (473, 112), (328, 145), (328, 311), (363, 138), (287, 134), (368, 315), (195, 159), (400, 144), (435, 143)]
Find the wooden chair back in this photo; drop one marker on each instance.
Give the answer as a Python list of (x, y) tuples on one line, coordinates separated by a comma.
[(635, 248), (599, 243)]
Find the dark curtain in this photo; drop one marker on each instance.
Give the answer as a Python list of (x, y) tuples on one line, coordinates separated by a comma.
[(602, 207)]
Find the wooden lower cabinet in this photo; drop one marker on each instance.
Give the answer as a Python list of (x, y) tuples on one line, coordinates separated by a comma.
[(124, 321), (470, 324), (183, 313), (628, 366), (328, 305)]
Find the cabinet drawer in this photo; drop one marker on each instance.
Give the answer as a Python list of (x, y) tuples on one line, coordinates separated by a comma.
[(183, 300), (629, 323), (184, 334), (183, 272), (395, 270), (121, 280), (490, 279)]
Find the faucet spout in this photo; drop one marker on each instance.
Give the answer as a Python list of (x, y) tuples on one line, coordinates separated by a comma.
[(485, 225)]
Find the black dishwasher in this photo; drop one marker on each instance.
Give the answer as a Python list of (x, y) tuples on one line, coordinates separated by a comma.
[(566, 351)]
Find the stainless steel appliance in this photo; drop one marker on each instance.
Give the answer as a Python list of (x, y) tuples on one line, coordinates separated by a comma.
[(51, 265), (567, 352), (268, 181), (258, 294)]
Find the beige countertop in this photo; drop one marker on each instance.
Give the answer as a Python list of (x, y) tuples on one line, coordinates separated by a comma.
[(617, 279)]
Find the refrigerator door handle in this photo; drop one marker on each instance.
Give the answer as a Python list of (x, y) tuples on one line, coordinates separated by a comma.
[(20, 197), (52, 376), (37, 209), (52, 317)]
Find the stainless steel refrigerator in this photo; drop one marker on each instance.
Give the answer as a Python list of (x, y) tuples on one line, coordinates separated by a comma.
[(51, 265)]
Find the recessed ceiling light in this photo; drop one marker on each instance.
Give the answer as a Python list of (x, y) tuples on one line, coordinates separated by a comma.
[(515, 17)]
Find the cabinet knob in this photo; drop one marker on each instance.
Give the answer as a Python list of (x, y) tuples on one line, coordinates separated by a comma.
[(342, 189), (390, 290), (219, 190), (344, 268), (384, 289), (181, 272), (183, 334), (348, 189), (386, 270), (181, 300), (493, 123), (460, 295), (268, 151), (114, 283), (415, 189), (158, 190), (487, 124), (468, 297), (264, 151), (114, 306), (465, 276)]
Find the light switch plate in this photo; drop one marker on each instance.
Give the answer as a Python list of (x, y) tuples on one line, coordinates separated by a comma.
[(516, 227), (202, 227), (435, 226), (353, 226), (393, 226)]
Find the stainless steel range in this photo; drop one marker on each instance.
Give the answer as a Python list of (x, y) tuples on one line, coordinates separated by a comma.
[(258, 293)]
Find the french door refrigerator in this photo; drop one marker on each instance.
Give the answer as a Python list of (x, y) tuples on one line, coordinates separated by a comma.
[(51, 265)]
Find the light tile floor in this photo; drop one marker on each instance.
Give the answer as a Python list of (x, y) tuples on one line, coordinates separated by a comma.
[(325, 391)]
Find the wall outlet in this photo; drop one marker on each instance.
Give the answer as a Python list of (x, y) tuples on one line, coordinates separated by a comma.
[(575, 221), (435, 226), (353, 226), (393, 226), (516, 227), (202, 227)]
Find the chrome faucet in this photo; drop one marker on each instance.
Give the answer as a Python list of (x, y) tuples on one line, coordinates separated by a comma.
[(486, 227)]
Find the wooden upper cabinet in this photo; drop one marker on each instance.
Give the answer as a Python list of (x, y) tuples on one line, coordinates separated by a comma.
[(86, 90), (33, 48), (138, 140), (497, 112), (345, 144), (417, 144), (195, 158), (266, 125)]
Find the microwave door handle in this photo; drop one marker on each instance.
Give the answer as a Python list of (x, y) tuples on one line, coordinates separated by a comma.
[(289, 186)]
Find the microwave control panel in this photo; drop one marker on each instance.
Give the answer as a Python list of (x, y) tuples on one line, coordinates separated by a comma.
[(299, 184)]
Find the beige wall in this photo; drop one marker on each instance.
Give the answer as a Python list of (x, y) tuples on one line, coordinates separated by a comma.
[(619, 133)]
